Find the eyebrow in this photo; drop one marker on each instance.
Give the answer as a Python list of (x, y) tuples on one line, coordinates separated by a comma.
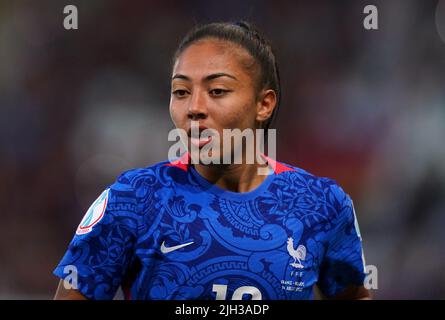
[(207, 78)]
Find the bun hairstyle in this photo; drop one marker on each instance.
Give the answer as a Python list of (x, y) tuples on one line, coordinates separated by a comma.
[(245, 35)]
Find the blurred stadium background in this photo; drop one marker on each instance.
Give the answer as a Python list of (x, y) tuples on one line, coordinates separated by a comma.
[(366, 108)]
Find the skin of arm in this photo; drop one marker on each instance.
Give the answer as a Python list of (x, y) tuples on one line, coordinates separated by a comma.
[(354, 293), (67, 294), (350, 293)]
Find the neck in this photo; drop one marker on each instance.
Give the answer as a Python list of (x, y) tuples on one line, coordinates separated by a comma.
[(234, 177)]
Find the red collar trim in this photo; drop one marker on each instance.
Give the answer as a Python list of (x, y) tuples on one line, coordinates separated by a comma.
[(183, 162)]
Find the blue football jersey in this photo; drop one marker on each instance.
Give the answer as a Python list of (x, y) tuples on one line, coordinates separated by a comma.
[(165, 232)]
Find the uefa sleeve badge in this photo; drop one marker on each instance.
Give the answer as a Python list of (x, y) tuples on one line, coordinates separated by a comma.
[(94, 214)]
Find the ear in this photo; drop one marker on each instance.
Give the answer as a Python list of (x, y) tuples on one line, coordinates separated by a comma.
[(266, 104)]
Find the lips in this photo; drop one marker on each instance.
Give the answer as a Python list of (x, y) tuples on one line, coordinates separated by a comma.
[(200, 142), (196, 138), (197, 129)]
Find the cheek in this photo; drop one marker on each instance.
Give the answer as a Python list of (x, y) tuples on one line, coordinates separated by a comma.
[(244, 115), (175, 114), (238, 112)]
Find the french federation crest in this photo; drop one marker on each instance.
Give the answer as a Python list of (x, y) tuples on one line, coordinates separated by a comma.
[(94, 214), (298, 254)]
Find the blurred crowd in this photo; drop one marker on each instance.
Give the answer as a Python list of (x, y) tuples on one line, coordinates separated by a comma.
[(366, 108)]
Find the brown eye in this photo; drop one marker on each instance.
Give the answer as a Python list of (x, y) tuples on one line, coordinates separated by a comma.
[(180, 93), (218, 92)]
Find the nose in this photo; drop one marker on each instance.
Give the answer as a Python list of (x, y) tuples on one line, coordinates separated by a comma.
[(197, 106)]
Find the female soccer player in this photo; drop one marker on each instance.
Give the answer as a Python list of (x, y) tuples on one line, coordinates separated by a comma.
[(178, 230)]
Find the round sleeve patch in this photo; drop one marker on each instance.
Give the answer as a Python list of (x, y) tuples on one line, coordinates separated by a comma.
[(94, 214)]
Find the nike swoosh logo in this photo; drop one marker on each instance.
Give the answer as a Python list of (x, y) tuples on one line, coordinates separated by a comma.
[(165, 249)]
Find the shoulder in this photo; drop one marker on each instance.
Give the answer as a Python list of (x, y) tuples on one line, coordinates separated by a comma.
[(322, 197), (146, 186), (318, 187), (137, 177), (293, 172)]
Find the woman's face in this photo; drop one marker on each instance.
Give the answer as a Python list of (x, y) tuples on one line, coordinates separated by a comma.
[(212, 84)]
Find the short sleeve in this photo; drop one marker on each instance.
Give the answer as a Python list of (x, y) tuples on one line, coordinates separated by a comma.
[(102, 248), (343, 264)]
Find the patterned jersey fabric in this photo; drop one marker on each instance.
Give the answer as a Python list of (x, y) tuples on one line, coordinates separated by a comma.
[(164, 232)]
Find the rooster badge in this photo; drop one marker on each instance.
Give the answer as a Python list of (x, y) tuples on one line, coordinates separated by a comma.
[(298, 254)]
